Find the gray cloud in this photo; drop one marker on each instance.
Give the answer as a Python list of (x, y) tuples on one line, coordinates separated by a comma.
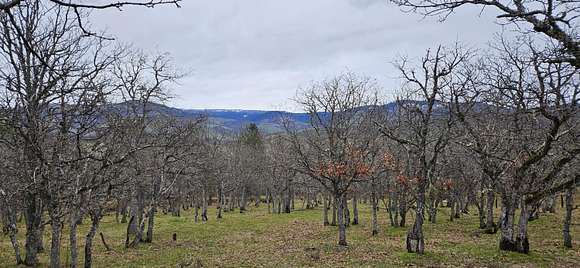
[(256, 53)]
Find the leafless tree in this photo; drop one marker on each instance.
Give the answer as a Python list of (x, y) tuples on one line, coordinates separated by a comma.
[(554, 19), (423, 125), (531, 102), (334, 152)]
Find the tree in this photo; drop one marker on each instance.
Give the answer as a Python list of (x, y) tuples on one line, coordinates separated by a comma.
[(554, 19), (53, 96), (532, 101), (335, 152), (423, 127)]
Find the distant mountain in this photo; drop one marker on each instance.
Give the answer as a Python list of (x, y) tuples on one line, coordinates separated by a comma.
[(232, 120)]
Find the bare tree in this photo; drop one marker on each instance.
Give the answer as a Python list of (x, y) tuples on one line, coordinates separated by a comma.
[(531, 102), (335, 152), (555, 19), (423, 127)]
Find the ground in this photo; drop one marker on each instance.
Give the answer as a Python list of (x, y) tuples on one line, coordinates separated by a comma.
[(259, 239)]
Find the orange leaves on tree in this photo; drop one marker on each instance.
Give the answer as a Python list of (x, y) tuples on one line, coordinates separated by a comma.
[(330, 169), (389, 161), (448, 184), (353, 166), (402, 179), (405, 181)]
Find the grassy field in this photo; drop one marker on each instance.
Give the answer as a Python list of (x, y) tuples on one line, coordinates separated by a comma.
[(259, 239)]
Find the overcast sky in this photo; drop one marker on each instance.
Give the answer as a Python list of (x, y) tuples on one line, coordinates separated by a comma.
[(254, 54)]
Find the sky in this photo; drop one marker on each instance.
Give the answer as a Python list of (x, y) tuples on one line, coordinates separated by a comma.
[(255, 54)]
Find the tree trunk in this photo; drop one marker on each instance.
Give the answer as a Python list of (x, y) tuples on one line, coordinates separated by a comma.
[(56, 226), (11, 228), (219, 209), (334, 208), (481, 210), (291, 197), (95, 218), (74, 255), (568, 218), (279, 204), (346, 211), (402, 209), (196, 213), (33, 218), (374, 203), (490, 226), (14, 241), (121, 210), (394, 208), (128, 234), (288, 203), (124, 214), (506, 225), (204, 205), (221, 200), (268, 199), (243, 200), (354, 210), (522, 243), (150, 223), (415, 238), (451, 205), (550, 204), (458, 205), (231, 202), (433, 210), (341, 200), (324, 211), (136, 221)]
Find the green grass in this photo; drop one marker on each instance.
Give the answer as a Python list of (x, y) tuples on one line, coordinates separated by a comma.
[(259, 239)]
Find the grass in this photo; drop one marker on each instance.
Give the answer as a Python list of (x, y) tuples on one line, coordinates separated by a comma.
[(259, 239)]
